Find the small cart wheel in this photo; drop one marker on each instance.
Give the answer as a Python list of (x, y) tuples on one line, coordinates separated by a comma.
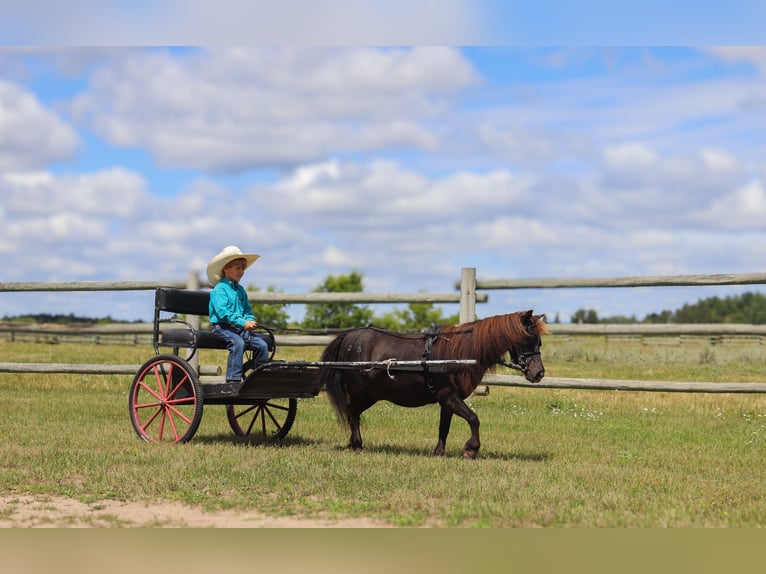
[(267, 419), (165, 400)]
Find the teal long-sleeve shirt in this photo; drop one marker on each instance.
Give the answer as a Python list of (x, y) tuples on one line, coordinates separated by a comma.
[(229, 304)]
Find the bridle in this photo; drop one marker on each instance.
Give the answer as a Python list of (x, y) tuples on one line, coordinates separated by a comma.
[(523, 359)]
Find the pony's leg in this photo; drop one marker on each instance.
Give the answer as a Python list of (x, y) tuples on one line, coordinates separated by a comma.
[(458, 407), (355, 442), (358, 404), (445, 420)]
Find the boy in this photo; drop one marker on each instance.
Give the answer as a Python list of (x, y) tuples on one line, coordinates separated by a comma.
[(230, 313)]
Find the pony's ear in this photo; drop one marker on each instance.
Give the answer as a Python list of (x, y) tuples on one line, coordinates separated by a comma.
[(527, 315), (534, 324), (527, 319)]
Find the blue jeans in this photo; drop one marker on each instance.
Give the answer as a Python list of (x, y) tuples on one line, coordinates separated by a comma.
[(237, 340)]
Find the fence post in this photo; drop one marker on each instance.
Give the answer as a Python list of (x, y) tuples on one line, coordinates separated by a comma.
[(467, 294), (192, 282), (468, 309)]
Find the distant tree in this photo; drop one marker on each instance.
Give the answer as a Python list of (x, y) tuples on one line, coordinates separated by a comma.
[(665, 316), (415, 318), (753, 309), (338, 315), (749, 308), (585, 316), (270, 315), (618, 319), (590, 316)]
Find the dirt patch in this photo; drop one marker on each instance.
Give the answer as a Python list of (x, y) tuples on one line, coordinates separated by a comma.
[(27, 511)]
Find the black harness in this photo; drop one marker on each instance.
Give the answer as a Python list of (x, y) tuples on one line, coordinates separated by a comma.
[(431, 336)]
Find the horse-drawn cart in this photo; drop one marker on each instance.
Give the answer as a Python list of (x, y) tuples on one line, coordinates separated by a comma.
[(167, 396)]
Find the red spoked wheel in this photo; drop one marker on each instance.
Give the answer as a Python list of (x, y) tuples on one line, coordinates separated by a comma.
[(165, 400), (267, 419)]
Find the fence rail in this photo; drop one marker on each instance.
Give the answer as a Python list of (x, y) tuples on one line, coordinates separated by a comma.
[(130, 334), (631, 281), (640, 329), (625, 385), (266, 297), (89, 286), (141, 333), (82, 369), (663, 329), (467, 298)]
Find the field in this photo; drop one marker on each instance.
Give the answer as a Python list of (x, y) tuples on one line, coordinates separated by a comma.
[(549, 458)]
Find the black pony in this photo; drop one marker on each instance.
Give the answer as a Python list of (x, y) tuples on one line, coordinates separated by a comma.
[(351, 392)]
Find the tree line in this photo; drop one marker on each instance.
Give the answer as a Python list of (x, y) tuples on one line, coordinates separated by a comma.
[(64, 319), (323, 316), (747, 308)]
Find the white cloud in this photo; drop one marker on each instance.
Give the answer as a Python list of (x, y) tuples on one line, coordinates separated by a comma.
[(718, 161), (242, 108), (384, 207), (639, 185), (114, 192), (514, 142), (753, 54), (629, 156), (742, 209), (64, 222), (334, 257), (31, 136), (387, 161)]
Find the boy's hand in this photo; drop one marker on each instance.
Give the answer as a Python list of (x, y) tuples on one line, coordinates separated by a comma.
[(250, 325)]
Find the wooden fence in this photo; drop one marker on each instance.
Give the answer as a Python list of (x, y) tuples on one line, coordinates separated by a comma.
[(467, 297), (636, 330)]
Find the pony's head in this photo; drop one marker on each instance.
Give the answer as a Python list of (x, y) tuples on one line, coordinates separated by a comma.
[(526, 355)]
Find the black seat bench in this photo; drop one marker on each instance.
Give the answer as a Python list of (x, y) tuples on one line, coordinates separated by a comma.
[(190, 302)]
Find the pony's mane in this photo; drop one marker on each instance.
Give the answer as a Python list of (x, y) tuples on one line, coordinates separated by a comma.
[(487, 340), (542, 326)]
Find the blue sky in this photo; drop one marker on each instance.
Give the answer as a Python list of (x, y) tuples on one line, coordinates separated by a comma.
[(403, 163), (374, 22)]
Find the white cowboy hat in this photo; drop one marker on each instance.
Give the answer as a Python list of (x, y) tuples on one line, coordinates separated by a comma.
[(227, 254)]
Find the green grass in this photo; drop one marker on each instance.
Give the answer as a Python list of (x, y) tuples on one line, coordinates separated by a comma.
[(550, 458)]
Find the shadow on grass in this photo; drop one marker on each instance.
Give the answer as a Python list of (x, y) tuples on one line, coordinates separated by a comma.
[(390, 449), (288, 441), (522, 456), (399, 450)]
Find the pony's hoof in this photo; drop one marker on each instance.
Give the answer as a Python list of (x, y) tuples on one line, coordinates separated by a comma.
[(470, 454)]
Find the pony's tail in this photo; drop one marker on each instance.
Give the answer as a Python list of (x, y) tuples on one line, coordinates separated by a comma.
[(333, 381)]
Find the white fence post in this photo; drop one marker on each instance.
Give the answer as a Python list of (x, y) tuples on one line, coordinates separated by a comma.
[(467, 294)]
